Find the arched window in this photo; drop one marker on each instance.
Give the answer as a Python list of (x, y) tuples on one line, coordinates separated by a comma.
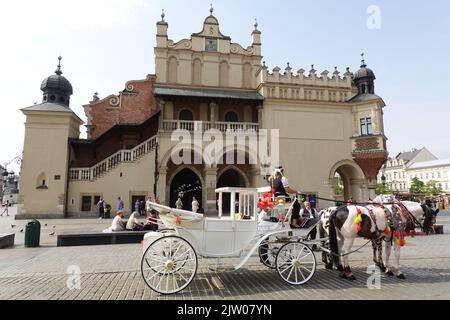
[(172, 70), (231, 116), (197, 72), (186, 115), (42, 181)]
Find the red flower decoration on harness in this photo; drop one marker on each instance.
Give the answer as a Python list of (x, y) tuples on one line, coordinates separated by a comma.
[(178, 220)]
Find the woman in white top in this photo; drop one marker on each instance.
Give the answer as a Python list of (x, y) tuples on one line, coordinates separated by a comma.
[(117, 223), (133, 223)]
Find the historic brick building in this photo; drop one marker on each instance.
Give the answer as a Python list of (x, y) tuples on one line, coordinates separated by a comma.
[(326, 124)]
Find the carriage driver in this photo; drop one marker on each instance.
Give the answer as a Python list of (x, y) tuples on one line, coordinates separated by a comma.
[(280, 184)]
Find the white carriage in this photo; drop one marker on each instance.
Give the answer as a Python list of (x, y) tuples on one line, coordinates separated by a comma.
[(170, 259)]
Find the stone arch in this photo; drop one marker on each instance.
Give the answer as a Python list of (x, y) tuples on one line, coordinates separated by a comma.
[(186, 114), (183, 172), (252, 155), (238, 170), (231, 116), (194, 149), (42, 181), (353, 179)]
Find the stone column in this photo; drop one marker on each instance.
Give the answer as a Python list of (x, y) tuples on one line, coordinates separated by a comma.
[(163, 189), (358, 190), (162, 104), (212, 112), (209, 191)]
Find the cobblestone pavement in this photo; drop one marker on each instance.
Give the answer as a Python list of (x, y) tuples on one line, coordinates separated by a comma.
[(113, 273)]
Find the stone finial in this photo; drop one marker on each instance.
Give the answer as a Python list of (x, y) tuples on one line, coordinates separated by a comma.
[(163, 15), (264, 65), (336, 72), (95, 98), (256, 24), (288, 67), (211, 9), (58, 69), (348, 74), (363, 61), (312, 71)]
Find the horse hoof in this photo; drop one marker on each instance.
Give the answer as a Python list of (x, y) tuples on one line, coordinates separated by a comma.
[(382, 268), (329, 266), (389, 273), (401, 276)]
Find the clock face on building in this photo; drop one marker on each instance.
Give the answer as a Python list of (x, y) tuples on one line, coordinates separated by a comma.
[(210, 44)]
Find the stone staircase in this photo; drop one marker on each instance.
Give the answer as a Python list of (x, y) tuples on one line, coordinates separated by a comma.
[(122, 156)]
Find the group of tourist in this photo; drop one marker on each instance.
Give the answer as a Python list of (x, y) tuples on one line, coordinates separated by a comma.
[(133, 223)]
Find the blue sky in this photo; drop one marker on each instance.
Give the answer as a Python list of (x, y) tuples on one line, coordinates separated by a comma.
[(105, 43)]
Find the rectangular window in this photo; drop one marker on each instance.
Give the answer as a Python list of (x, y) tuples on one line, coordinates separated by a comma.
[(369, 126), (86, 203), (366, 126)]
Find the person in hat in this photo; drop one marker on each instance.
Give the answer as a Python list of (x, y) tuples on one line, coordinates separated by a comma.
[(280, 183)]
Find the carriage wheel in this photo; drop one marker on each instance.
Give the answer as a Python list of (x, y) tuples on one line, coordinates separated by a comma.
[(268, 253), (169, 264), (295, 263)]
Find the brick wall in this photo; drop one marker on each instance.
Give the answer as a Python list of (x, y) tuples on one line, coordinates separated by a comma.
[(133, 106)]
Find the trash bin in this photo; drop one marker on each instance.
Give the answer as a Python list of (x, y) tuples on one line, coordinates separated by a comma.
[(32, 234)]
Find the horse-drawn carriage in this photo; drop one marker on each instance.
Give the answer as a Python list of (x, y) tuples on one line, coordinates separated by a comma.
[(170, 259)]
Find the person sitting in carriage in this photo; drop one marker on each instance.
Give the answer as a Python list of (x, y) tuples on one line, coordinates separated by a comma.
[(309, 218)]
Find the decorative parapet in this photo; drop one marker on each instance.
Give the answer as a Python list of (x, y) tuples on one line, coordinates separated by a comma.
[(299, 86), (238, 49)]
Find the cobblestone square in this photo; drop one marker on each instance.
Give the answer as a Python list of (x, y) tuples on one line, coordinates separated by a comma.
[(113, 272)]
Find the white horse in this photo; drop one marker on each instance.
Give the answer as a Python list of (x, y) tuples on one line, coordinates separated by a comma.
[(347, 223), (403, 217), (397, 219)]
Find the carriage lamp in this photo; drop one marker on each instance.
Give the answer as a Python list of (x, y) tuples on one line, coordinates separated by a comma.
[(383, 179)]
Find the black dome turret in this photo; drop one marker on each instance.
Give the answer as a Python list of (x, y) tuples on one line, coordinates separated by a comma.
[(56, 88), (364, 79)]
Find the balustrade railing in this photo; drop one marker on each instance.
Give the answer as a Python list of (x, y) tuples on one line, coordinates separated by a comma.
[(87, 174)]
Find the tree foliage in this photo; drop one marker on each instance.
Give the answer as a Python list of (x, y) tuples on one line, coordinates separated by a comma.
[(338, 186), (432, 188), (383, 189), (417, 186)]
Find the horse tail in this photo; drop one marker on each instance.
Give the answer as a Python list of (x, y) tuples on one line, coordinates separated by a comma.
[(332, 236)]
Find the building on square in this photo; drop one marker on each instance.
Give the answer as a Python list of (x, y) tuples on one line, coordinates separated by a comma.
[(328, 123)]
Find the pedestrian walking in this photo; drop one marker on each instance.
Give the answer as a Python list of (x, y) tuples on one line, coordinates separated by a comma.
[(101, 209), (137, 206), (141, 207), (119, 204), (6, 205)]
